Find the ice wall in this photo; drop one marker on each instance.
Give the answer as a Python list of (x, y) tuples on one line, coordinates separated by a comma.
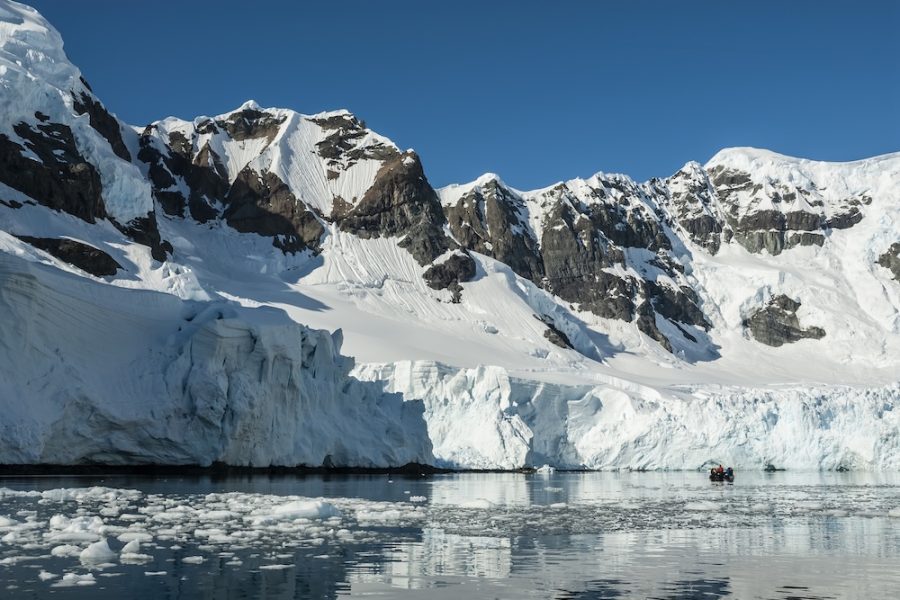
[(484, 418), (95, 373)]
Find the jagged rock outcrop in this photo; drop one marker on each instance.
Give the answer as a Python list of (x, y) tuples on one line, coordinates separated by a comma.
[(401, 202), (205, 184), (600, 244), (693, 206), (777, 324), (85, 257), (340, 146), (105, 124), (779, 215), (49, 168), (553, 334), (493, 221), (891, 260), (263, 204), (450, 273)]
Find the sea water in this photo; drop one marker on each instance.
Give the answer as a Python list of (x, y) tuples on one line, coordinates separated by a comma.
[(469, 535)]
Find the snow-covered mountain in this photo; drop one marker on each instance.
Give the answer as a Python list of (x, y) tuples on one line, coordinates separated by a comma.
[(164, 287)]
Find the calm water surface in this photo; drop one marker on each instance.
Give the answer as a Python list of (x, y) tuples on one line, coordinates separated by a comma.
[(563, 535)]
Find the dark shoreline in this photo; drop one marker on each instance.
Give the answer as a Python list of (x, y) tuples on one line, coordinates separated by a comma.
[(223, 470), (219, 470)]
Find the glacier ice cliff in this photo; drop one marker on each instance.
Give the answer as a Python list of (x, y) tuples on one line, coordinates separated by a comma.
[(93, 373), (485, 418)]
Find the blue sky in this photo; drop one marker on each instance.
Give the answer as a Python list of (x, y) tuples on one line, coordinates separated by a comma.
[(535, 91)]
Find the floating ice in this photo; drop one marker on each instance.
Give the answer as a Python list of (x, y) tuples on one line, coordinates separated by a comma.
[(98, 553), (702, 506), (73, 579), (299, 509), (66, 550)]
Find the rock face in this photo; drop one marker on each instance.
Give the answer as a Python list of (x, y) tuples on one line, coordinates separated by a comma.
[(600, 244), (693, 207), (263, 204), (87, 258), (492, 220), (553, 334), (449, 274), (776, 323), (891, 260), (777, 216), (48, 167), (105, 124), (204, 183), (401, 202)]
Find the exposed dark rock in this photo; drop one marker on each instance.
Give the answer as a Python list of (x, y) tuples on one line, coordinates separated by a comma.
[(779, 229), (339, 145), (730, 179), (891, 260), (583, 249), (677, 305), (489, 221), (776, 323), (61, 179), (845, 220), (646, 323), (449, 274), (11, 203), (207, 126), (264, 204), (554, 335), (181, 145), (204, 176), (145, 230), (105, 124), (575, 256), (251, 123), (87, 258), (400, 202)]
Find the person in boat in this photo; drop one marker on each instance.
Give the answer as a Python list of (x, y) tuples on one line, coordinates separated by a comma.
[(729, 472), (720, 470)]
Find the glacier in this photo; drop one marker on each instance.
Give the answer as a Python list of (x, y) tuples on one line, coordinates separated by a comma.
[(484, 418), (112, 376)]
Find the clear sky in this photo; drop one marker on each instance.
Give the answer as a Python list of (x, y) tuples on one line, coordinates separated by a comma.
[(535, 91)]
